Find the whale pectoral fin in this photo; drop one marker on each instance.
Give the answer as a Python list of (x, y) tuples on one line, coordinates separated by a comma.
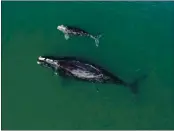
[(66, 36), (55, 73), (97, 89)]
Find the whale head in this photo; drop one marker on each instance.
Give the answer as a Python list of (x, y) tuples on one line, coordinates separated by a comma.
[(61, 28), (48, 62)]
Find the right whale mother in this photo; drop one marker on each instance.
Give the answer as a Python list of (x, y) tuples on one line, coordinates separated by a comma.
[(75, 68)]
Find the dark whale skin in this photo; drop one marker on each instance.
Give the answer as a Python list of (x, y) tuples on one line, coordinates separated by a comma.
[(66, 66), (77, 31)]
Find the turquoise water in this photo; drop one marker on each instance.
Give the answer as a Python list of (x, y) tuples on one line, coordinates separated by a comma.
[(137, 40)]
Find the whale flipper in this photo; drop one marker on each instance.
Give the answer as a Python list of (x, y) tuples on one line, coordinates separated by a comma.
[(97, 89), (55, 73), (66, 36)]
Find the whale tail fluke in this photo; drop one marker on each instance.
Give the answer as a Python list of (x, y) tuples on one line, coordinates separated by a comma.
[(96, 38), (134, 86)]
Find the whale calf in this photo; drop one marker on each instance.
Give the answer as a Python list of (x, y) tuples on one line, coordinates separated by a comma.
[(74, 31)]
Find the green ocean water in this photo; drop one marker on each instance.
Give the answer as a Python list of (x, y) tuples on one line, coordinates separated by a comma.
[(138, 39)]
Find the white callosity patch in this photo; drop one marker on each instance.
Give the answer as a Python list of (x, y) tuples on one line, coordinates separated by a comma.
[(62, 28), (52, 62), (49, 60), (41, 58)]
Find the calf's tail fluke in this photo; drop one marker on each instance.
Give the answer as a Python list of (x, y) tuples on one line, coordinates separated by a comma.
[(134, 86), (96, 38)]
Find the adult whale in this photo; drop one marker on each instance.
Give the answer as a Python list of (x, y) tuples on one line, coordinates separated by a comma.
[(79, 69), (74, 31)]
